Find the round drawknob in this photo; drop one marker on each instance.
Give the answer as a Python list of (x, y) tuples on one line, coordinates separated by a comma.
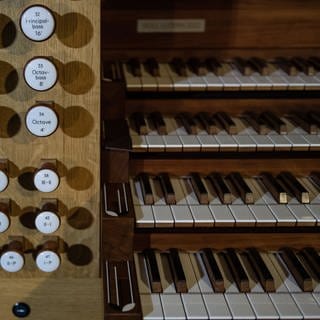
[(40, 74), (46, 180), (4, 180), (12, 260), (4, 222), (41, 120), (48, 260), (37, 23), (47, 222)]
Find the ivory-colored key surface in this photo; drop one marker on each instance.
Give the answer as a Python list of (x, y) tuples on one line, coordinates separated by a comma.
[(262, 306), (144, 216), (162, 216), (239, 306), (283, 215), (151, 307), (302, 214), (222, 216), (194, 306), (307, 305), (285, 306), (172, 307), (263, 215), (242, 215), (182, 216)]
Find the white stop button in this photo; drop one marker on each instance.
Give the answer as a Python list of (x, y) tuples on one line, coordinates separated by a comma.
[(47, 222), (37, 23), (46, 180), (4, 181), (40, 74), (4, 222), (48, 261), (41, 121), (12, 261)]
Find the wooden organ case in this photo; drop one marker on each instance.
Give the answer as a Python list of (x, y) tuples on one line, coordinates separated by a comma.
[(50, 130), (210, 159)]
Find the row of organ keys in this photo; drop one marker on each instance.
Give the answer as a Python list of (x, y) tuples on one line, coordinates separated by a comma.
[(229, 284), (233, 200), (250, 131), (211, 74)]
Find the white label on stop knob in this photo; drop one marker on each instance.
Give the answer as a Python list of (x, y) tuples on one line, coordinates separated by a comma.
[(12, 261), (46, 180), (41, 121), (4, 181), (48, 261), (4, 222), (40, 74), (47, 222), (37, 23)]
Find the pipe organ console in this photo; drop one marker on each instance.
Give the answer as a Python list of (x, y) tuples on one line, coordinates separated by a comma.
[(159, 160)]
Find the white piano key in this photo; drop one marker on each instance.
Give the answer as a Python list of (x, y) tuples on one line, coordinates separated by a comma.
[(164, 81), (179, 83), (280, 142), (302, 214), (311, 82), (208, 143), (315, 210), (298, 142), (239, 306), (262, 82), (155, 143), (173, 128), (191, 280), (180, 191), (197, 83), (317, 297), (136, 192), (222, 215), (245, 143), (139, 143), (283, 215), (278, 82), (308, 306), (285, 306), (162, 217), (230, 82), (202, 216), (148, 82), (151, 307), (194, 306), (133, 83), (213, 82), (172, 143), (294, 82), (172, 307), (200, 273), (263, 215), (263, 142), (246, 82), (144, 216), (253, 184), (182, 216), (262, 306), (190, 143), (142, 274), (242, 215), (217, 306), (313, 140), (166, 279), (226, 143)]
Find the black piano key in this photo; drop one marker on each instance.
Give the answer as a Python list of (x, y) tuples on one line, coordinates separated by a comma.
[(287, 66), (243, 66), (208, 122), (274, 122), (152, 66), (134, 67), (315, 177), (139, 123), (158, 122), (305, 122), (197, 66), (179, 66), (302, 65), (188, 122), (215, 66), (153, 271), (294, 186), (312, 258), (273, 186), (256, 122), (220, 187), (260, 65), (213, 270), (296, 268), (261, 270), (237, 270), (241, 186), (146, 188), (226, 122), (315, 62), (199, 188), (315, 117), (167, 188), (179, 277)]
